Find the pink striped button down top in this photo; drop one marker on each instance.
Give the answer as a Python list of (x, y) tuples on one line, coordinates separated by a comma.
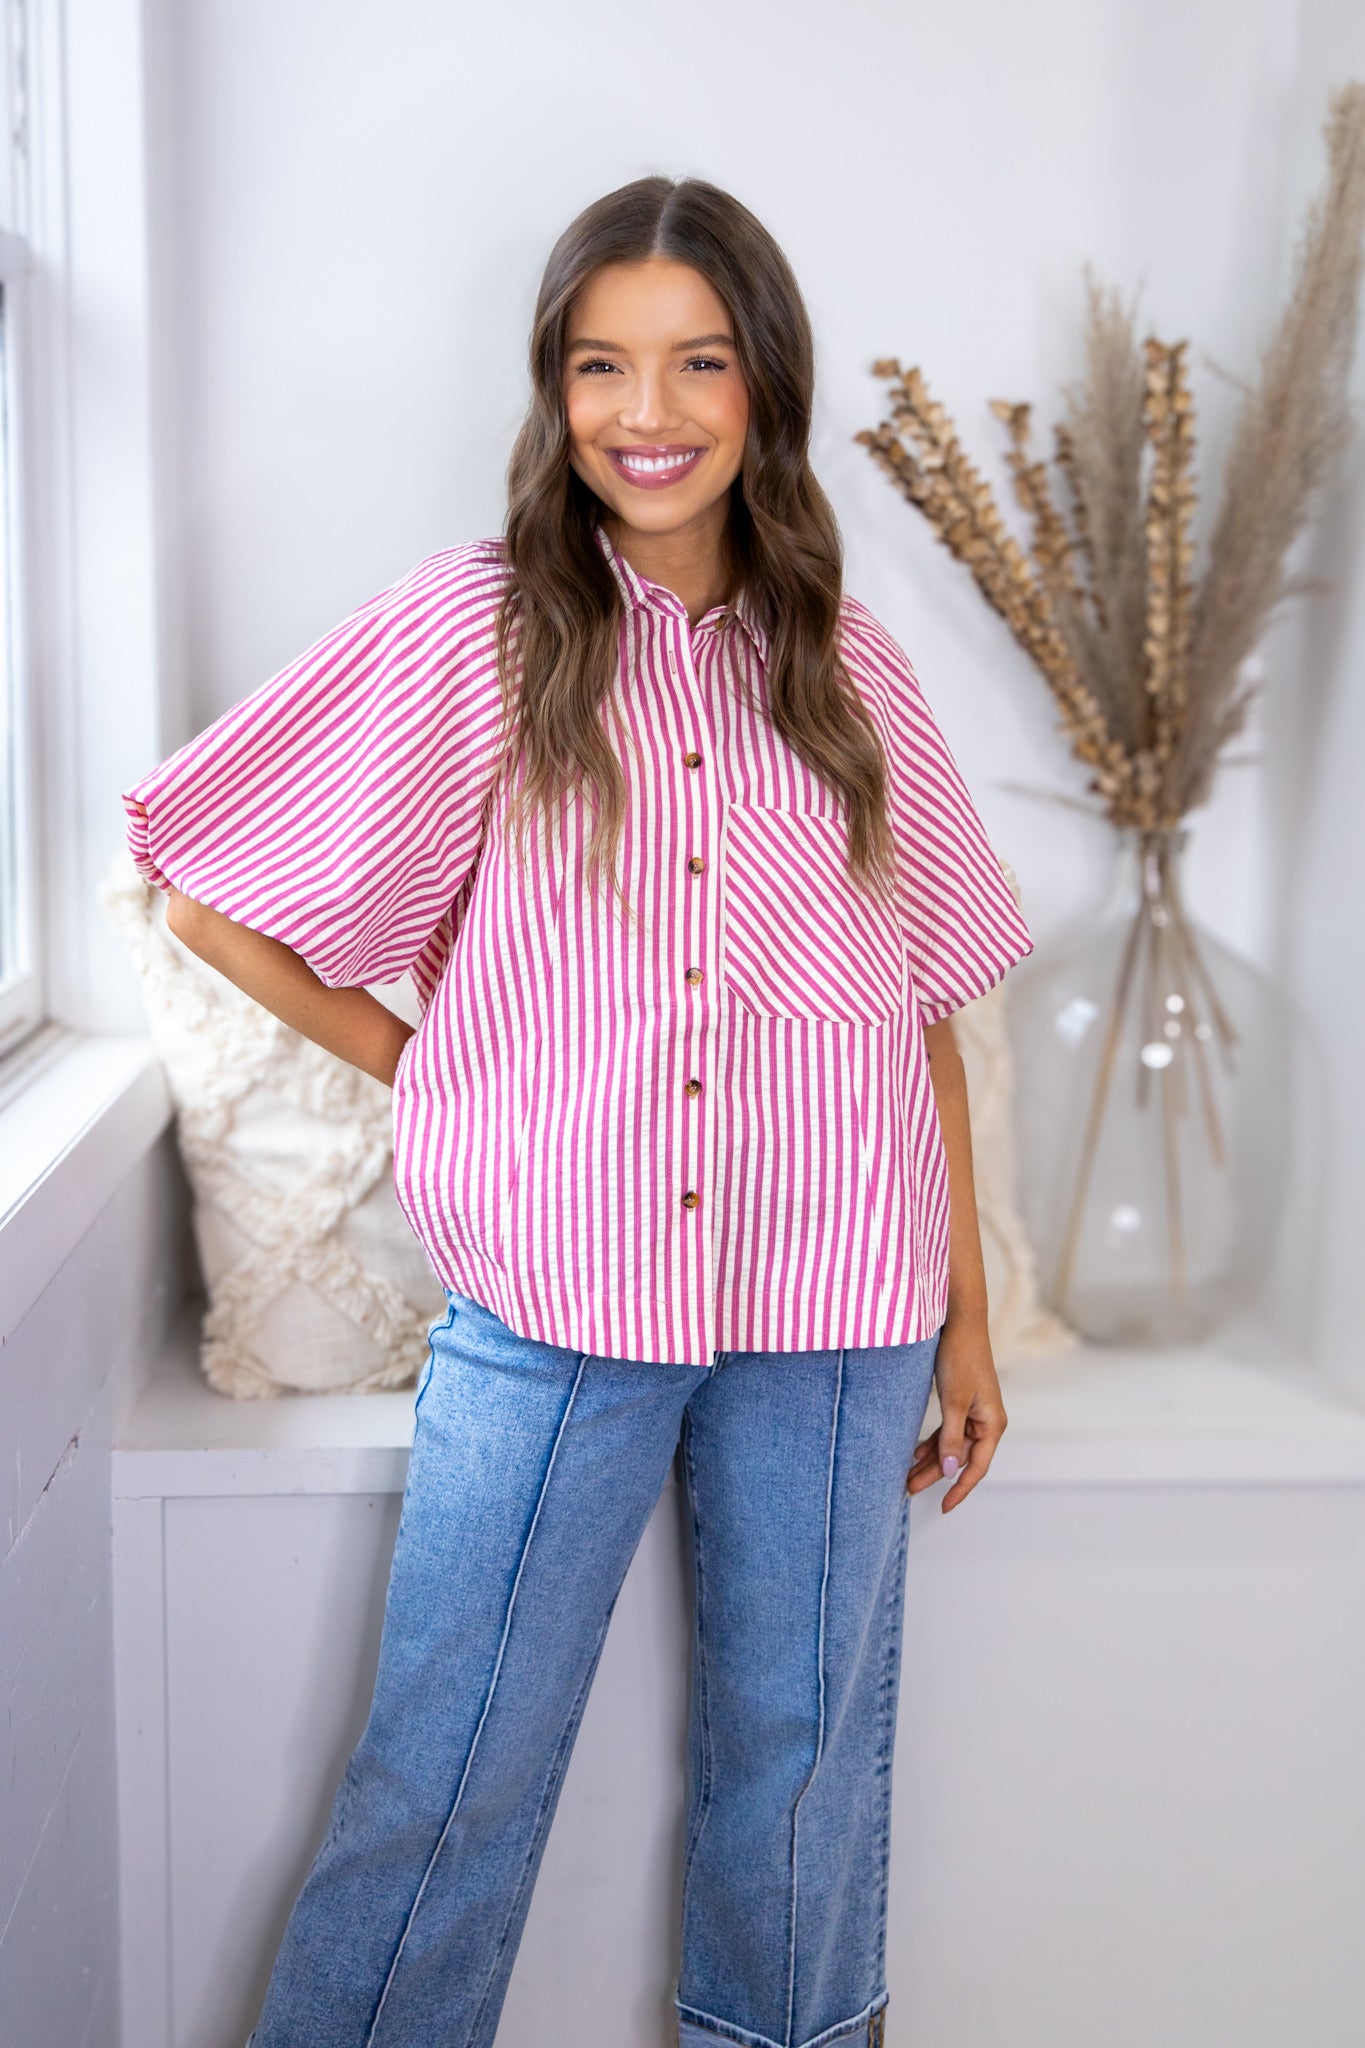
[(708, 1127)]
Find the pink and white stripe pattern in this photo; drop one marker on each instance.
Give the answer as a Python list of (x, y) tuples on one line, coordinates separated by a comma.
[(705, 1125)]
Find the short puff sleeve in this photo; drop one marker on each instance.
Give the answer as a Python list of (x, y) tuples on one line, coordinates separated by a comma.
[(962, 921), (340, 806)]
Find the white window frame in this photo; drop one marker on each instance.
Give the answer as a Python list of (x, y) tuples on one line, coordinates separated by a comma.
[(82, 1092), (22, 997)]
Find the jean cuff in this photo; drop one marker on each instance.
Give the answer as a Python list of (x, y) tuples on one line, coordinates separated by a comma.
[(704, 2030)]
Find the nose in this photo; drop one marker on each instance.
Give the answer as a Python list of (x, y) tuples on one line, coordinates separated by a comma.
[(648, 407)]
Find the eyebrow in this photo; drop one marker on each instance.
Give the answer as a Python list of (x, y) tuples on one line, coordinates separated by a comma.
[(614, 348)]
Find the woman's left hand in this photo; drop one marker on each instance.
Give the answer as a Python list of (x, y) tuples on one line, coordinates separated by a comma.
[(974, 1418)]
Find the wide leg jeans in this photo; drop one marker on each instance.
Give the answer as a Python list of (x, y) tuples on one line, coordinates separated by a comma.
[(534, 1470)]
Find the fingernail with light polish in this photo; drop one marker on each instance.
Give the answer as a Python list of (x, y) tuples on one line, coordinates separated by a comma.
[(950, 1465)]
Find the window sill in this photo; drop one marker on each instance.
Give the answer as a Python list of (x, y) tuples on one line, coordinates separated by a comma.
[(87, 1108), (1227, 1414), (78, 1114)]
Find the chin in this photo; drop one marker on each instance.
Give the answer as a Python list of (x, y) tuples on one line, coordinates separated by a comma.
[(648, 514)]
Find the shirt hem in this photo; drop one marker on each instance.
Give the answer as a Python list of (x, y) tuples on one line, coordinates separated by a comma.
[(513, 1299)]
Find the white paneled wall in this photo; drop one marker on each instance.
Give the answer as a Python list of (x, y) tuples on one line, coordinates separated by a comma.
[(67, 1375)]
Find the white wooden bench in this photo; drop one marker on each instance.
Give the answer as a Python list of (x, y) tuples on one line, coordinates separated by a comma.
[(1129, 1780)]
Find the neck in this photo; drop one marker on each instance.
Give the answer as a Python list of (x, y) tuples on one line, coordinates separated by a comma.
[(695, 561)]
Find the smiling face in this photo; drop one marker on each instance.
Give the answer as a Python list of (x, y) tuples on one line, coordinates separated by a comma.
[(657, 406)]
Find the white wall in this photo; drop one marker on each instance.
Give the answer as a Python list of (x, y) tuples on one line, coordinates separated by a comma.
[(1317, 822), (360, 219)]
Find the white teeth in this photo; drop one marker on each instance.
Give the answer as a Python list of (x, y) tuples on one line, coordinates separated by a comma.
[(654, 463)]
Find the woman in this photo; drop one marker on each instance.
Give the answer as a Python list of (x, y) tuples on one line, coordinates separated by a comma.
[(689, 885)]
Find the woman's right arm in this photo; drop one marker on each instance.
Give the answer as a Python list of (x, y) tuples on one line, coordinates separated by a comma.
[(349, 1022), (313, 838)]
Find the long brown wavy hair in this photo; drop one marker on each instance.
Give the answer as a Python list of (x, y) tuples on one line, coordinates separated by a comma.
[(562, 609)]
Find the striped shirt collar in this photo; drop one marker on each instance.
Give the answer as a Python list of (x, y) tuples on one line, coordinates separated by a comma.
[(637, 590)]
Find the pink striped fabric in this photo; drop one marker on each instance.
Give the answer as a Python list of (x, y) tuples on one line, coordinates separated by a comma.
[(709, 1127)]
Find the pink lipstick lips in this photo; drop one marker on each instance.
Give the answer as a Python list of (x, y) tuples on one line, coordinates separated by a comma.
[(653, 468)]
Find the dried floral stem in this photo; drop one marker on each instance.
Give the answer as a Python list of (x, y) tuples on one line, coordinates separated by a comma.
[(1156, 990), (1170, 502), (935, 474), (1188, 968), (1291, 427), (1170, 1150), (1223, 1026), (1113, 1030), (1064, 455), (1100, 448), (1053, 546)]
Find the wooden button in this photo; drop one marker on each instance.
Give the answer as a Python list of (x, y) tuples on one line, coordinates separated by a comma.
[(694, 1088), (695, 864), (694, 975), (692, 760), (691, 1199)]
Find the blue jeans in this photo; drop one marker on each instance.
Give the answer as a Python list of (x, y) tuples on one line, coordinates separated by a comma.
[(534, 1470)]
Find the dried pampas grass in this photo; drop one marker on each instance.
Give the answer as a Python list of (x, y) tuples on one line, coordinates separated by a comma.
[(1144, 665), (1292, 426)]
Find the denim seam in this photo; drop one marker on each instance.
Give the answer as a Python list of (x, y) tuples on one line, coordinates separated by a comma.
[(554, 1777), (724, 2030), (703, 1692), (887, 1731), (439, 1326), (488, 1696), (820, 1726)]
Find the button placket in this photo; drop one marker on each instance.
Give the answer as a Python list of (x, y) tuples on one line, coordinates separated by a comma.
[(698, 937)]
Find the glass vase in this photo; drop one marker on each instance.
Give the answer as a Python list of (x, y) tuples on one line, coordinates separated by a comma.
[(1152, 1079)]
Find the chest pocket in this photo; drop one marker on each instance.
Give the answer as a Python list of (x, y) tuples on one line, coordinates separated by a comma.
[(802, 939)]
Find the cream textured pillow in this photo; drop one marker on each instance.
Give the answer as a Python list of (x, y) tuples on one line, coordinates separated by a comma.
[(1020, 1325), (316, 1282)]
